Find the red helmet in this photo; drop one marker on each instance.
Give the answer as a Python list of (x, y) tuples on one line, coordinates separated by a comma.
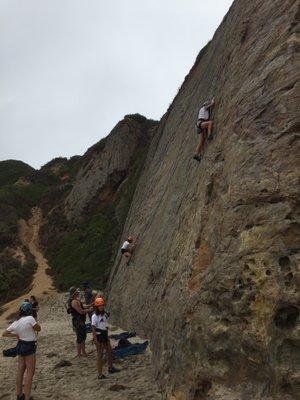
[(99, 301)]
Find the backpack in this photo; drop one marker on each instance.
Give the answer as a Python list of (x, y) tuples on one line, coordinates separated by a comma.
[(68, 307)]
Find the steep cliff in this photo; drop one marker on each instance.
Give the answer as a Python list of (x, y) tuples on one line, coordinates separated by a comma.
[(214, 276), (85, 217)]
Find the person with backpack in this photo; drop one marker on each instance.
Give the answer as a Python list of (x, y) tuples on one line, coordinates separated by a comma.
[(25, 330), (100, 335), (204, 127), (78, 312)]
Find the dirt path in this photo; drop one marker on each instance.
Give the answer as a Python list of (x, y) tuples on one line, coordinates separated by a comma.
[(42, 282)]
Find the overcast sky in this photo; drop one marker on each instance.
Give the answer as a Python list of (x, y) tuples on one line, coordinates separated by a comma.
[(71, 69)]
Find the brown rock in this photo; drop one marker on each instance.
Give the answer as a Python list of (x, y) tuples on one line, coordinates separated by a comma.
[(215, 276)]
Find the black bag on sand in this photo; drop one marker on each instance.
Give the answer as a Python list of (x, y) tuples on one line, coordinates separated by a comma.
[(10, 352)]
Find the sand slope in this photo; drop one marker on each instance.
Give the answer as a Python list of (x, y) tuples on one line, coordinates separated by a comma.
[(42, 283)]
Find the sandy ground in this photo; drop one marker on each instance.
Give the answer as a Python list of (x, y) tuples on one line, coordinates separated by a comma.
[(56, 343), (72, 379)]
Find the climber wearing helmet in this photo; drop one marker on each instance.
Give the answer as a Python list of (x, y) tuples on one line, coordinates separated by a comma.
[(100, 335), (204, 126), (25, 330), (128, 248)]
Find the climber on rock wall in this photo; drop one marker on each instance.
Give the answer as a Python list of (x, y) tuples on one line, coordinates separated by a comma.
[(204, 127), (128, 248)]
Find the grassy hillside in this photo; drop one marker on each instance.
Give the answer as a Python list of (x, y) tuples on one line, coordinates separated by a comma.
[(12, 170)]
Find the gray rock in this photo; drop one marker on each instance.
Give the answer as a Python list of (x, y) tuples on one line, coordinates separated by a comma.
[(214, 279)]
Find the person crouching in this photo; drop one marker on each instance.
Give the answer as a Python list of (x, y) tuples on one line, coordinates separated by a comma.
[(100, 335)]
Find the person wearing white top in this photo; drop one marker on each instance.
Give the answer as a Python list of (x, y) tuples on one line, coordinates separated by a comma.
[(204, 125), (25, 330), (100, 336), (128, 248)]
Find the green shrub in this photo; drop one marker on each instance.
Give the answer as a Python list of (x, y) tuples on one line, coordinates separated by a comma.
[(14, 277), (12, 170)]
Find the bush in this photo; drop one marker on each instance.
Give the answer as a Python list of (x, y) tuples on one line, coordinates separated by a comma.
[(14, 276), (12, 170)]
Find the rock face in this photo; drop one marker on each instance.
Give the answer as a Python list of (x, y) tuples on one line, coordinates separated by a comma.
[(214, 278), (105, 166), (86, 214)]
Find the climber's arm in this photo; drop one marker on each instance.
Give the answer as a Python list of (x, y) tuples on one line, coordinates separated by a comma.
[(211, 104)]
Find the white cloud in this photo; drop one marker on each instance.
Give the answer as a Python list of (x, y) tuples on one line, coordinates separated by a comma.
[(70, 69)]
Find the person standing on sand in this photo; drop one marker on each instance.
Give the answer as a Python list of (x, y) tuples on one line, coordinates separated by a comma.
[(25, 330), (100, 335), (78, 312)]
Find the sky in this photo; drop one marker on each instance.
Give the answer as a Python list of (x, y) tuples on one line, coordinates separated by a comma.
[(71, 69)]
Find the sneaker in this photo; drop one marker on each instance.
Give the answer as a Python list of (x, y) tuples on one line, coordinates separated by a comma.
[(197, 157), (113, 370), (101, 377)]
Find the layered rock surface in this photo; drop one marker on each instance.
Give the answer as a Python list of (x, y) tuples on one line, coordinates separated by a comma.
[(214, 278), (106, 165), (85, 218)]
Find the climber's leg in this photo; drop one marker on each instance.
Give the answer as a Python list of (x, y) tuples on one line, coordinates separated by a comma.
[(208, 125), (127, 254), (20, 375), (109, 354), (200, 146), (100, 348), (111, 368), (30, 369)]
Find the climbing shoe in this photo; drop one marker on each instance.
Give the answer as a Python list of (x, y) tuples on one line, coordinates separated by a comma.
[(22, 397), (197, 158), (210, 137), (113, 370), (101, 377)]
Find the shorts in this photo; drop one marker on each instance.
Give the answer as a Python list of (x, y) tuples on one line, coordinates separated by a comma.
[(25, 348), (198, 124), (125, 251), (102, 336), (79, 327)]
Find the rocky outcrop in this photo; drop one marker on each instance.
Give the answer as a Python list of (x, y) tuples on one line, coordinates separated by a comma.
[(214, 278), (85, 215), (105, 166)]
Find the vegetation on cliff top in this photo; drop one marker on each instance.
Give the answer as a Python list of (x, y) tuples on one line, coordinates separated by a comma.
[(12, 170)]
